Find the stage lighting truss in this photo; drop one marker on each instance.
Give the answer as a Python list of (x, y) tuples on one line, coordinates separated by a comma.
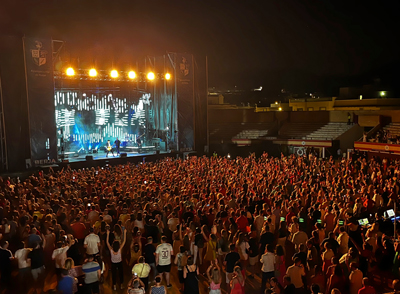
[(113, 75)]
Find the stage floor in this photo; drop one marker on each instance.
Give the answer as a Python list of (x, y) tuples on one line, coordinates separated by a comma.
[(102, 155)]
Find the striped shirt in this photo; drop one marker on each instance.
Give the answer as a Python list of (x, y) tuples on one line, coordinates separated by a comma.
[(90, 269)]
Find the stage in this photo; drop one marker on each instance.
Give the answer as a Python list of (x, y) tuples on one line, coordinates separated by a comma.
[(101, 155)]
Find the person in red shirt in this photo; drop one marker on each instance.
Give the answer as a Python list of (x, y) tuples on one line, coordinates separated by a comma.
[(242, 222), (369, 204), (79, 229), (289, 215), (367, 288)]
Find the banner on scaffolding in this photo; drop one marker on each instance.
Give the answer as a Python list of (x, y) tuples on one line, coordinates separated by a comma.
[(40, 96)]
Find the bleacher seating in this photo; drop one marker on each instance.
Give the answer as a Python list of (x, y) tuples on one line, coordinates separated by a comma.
[(298, 130), (250, 131), (393, 129), (329, 131)]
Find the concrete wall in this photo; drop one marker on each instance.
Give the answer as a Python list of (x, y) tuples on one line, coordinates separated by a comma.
[(368, 120), (347, 139), (316, 105), (338, 116), (309, 116), (239, 115)]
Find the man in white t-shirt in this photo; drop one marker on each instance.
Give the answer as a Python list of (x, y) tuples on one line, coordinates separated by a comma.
[(173, 222), (92, 243), (60, 255), (164, 252), (24, 263)]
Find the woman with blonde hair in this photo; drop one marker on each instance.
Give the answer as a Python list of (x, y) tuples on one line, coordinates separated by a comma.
[(237, 281), (73, 271), (214, 278), (243, 246)]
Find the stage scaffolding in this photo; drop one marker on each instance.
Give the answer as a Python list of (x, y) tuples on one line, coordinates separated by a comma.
[(146, 108)]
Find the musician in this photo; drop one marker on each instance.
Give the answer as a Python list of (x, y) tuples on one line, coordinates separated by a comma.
[(109, 148), (117, 144), (139, 140)]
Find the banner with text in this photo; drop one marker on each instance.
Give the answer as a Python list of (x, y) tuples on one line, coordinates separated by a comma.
[(185, 101), (40, 92)]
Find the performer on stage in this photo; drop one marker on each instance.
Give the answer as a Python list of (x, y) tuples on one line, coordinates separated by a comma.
[(139, 140), (117, 143), (109, 148)]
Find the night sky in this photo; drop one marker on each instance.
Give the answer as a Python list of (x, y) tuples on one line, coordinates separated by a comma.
[(297, 45)]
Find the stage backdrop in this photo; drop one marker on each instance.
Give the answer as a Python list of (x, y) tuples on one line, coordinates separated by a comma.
[(40, 93), (185, 100)]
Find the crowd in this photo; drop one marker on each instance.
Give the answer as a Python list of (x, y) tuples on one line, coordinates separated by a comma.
[(383, 136), (297, 224)]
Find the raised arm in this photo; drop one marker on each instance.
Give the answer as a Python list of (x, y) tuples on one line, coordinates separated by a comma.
[(107, 240), (123, 242), (204, 235), (208, 272)]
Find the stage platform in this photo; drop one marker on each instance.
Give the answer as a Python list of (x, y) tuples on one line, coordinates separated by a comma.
[(100, 159), (103, 155)]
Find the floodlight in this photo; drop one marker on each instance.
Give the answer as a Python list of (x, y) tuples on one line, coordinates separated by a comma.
[(167, 76), (131, 75), (151, 76), (92, 72), (114, 74), (70, 71)]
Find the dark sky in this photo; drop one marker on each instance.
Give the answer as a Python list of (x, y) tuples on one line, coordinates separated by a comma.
[(293, 44)]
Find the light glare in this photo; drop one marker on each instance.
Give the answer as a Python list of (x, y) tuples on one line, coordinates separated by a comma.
[(114, 74), (132, 74), (167, 76), (92, 72), (150, 76), (70, 71)]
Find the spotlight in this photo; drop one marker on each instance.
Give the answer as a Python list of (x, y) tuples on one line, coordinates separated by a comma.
[(228, 156), (276, 102), (70, 71), (167, 76), (151, 76), (280, 108), (114, 74), (131, 75), (92, 72), (383, 93)]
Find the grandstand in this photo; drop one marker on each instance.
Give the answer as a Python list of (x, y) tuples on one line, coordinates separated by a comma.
[(393, 129), (330, 131), (228, 132), (291, 130)]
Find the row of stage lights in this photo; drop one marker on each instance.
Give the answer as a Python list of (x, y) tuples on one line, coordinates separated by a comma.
[(114, 74)]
